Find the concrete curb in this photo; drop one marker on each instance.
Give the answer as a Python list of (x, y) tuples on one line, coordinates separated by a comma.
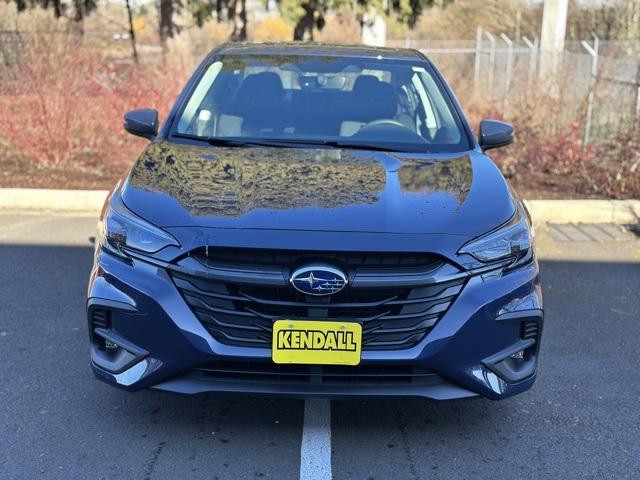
[(49, 200), (543, 211), (621, 212)]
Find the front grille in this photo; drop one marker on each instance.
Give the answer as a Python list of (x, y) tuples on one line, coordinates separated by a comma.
[(346, 260), (238, 309), (365, 374)]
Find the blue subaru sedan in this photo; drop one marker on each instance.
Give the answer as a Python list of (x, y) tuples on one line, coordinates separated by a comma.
[(316, 221)]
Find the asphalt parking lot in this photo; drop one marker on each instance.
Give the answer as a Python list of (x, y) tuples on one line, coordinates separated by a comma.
[(580, 420)]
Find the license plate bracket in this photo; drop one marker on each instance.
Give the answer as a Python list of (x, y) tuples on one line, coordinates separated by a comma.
[(316, 342)]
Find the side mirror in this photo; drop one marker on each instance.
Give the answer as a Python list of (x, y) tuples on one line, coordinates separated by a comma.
[(494, 134), (143, 123)]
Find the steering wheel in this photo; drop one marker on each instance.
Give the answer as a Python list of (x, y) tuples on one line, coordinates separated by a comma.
[(384, 121), (392, 130)]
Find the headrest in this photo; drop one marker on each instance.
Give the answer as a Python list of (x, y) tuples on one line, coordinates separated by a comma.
[(265, 87), (373, 99), (365, 86)]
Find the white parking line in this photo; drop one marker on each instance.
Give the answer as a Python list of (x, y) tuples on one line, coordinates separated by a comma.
[(315, 451)]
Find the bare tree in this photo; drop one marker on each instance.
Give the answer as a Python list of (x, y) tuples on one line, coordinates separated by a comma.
[(56, 4), (167, 27), (132, 33), (237, 14)]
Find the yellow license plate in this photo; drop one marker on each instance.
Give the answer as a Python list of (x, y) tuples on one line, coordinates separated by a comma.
[(313, 342)]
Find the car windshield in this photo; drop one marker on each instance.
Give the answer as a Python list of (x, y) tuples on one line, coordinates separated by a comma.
[(335, 101)]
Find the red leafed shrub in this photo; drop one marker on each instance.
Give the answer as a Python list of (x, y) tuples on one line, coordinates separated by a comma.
[(63, 104), (550, 152), (614, 169), (609, 169)]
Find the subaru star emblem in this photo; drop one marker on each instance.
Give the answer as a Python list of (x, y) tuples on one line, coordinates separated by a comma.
[(318, 280)]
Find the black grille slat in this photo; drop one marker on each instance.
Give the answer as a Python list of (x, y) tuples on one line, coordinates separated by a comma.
[(197, 304), (282, 303), (446, 293), (219, 323), (259, 340), (242, 314), (269, 257), (190, 286), (435, 309), (385, 328), (373, 374), (400, 342)]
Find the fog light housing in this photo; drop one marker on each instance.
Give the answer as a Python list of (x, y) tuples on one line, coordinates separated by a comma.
[(110, 351), (515, 363)]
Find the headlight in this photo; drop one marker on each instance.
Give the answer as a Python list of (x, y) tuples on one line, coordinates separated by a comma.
[(511, 240), (121, 228)]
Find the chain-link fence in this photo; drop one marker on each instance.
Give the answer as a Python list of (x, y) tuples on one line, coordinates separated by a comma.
[(595, 85)]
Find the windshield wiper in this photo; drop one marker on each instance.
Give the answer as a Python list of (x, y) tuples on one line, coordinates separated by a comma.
[(340, 144), (248, 142), (231, 141), (289, 143), (242, 141), (361, 146)]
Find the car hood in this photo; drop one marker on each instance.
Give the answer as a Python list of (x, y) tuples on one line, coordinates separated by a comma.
[(317, 189)]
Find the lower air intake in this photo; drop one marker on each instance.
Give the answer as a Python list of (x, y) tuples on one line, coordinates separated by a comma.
[(365, 374)]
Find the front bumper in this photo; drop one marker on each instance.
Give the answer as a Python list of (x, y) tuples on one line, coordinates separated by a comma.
[(162, 345)]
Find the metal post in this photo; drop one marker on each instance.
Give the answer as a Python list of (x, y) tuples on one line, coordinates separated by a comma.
[(636, 117), (535, 61), (532, 59), (507, 80), (492, 61), (593, 51), (478, 59), (554, 25)]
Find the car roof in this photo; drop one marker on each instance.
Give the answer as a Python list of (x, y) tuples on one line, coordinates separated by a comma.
[(318, 49)]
